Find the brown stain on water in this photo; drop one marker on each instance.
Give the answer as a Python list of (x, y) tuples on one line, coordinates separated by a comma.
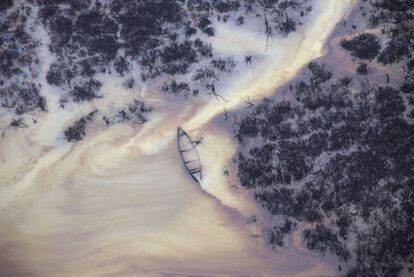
[(120, 203)]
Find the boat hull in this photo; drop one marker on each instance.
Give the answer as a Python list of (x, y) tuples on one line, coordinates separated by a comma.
[(189, 155)]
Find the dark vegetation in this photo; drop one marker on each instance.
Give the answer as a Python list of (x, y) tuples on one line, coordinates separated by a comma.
[(364, 46), (18, 91), (18, 123), (362, 69), (86, 91), (77, 131), (88, 38), (396, 20), (163, 37), (134, 112), (342, 161), (277, 16)]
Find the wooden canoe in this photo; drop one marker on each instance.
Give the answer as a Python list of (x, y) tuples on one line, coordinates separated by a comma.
[(189, 155)]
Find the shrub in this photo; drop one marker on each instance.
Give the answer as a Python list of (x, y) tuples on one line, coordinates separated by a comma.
[(364, 46)]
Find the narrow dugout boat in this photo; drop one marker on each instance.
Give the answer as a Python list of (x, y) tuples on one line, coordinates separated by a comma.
[(189, 155)]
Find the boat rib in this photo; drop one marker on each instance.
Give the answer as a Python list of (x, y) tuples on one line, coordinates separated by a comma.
[(189, 155)]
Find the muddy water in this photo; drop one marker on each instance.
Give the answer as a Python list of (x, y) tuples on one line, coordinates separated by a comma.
[(120, 202)]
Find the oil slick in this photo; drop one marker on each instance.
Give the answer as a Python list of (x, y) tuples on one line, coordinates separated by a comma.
[(119, 203)]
